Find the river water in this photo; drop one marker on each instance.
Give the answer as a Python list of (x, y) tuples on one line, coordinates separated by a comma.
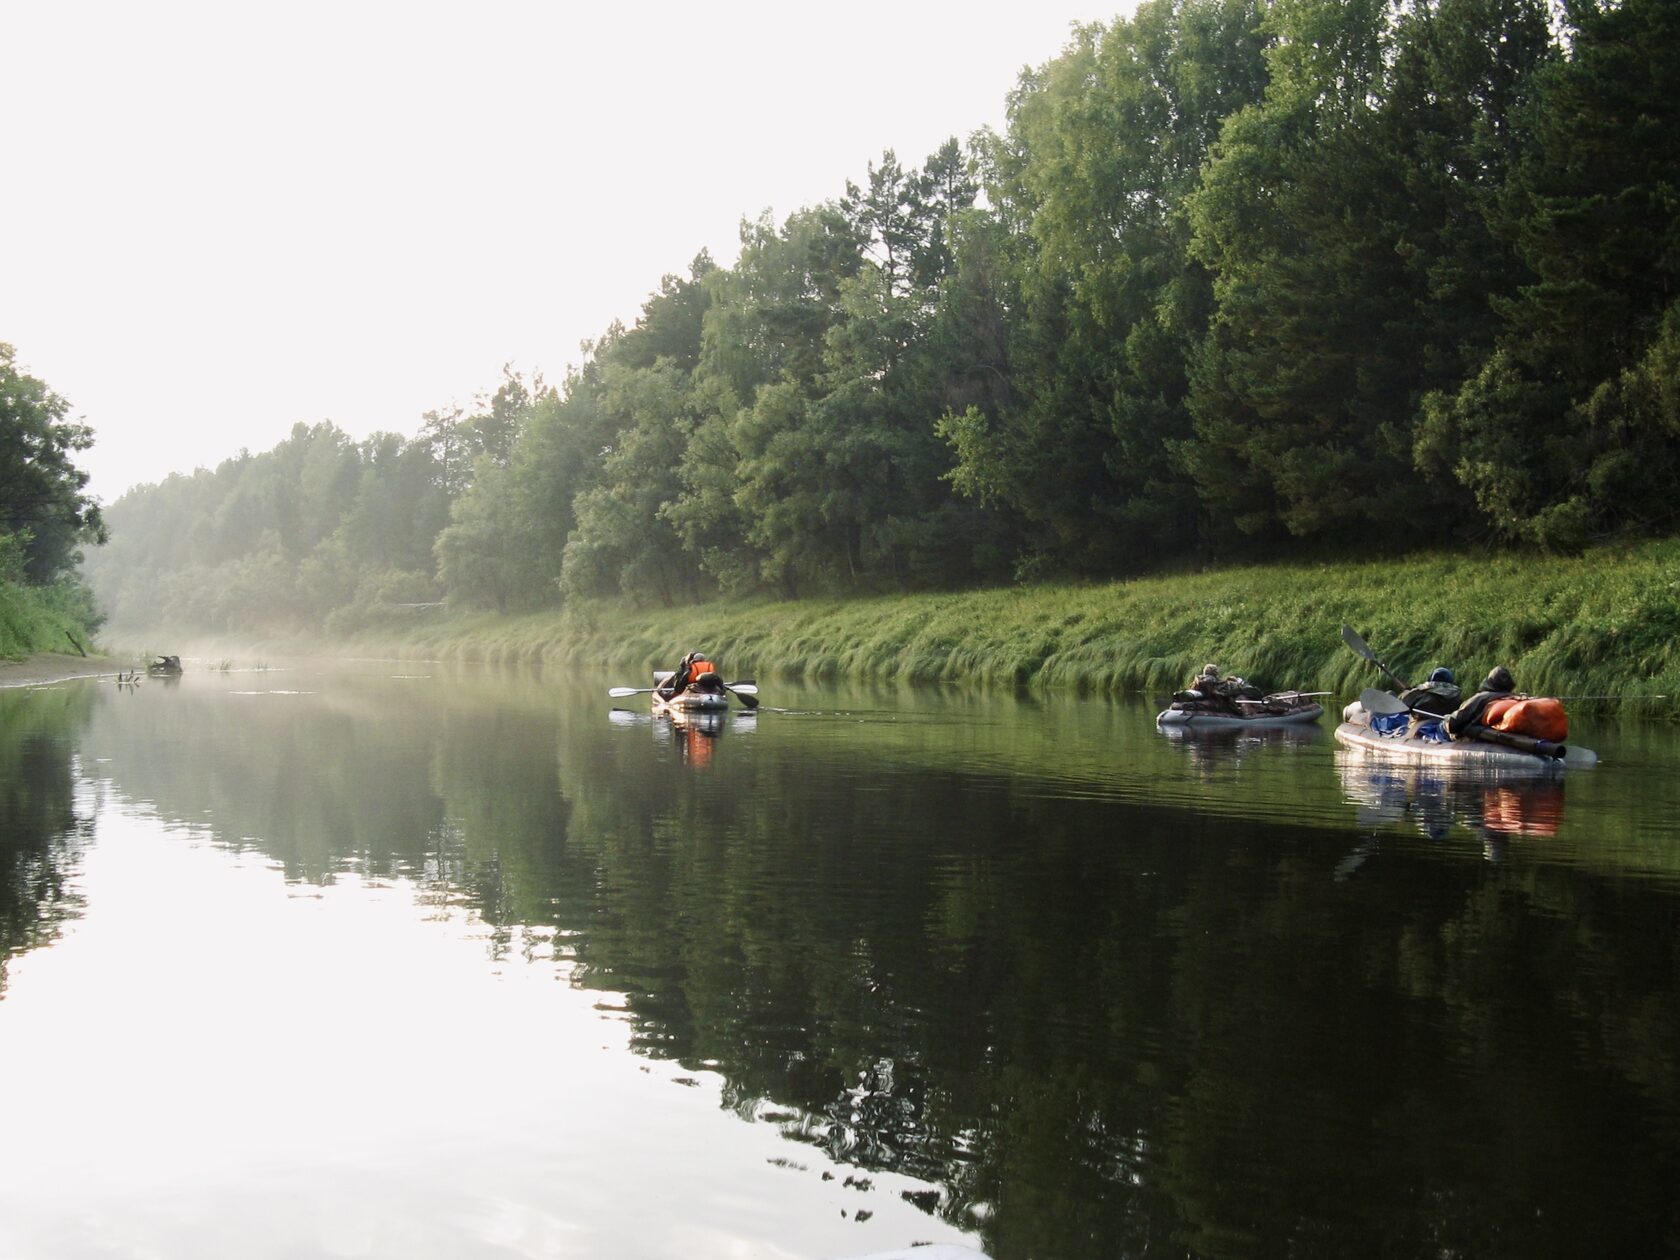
[(382, 960)]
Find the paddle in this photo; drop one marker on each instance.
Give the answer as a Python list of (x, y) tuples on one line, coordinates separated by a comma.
[(1386, 703), (1285, 697), (1359, 646), (745, 691)]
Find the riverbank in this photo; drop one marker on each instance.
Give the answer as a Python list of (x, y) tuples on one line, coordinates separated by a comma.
[(50, 667), (1603, 624)]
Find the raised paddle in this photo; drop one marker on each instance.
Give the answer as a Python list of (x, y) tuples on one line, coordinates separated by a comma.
[(1359, 645)]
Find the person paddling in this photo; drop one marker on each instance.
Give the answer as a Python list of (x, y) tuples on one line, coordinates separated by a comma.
[(1222, 692), (689, 670), (1439, 696), (1498, 685)]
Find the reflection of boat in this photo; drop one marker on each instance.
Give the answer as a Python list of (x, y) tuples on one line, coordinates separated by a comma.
[(1434, 796), (1411, 741), (1214, 751), (1282, 708), (705, 694), (1244, 736), (692, 731), (702, 721)]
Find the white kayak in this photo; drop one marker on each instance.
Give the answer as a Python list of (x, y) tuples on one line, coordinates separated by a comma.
[(1405, 744)]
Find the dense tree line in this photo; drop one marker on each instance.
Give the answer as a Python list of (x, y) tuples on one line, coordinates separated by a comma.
[(1238, 275), (316, 532)]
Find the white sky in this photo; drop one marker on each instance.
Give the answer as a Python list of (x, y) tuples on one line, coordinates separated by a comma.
[(221, 218)]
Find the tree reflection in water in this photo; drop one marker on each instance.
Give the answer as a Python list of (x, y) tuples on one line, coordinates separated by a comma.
[(44, 827), (1095, 1023)]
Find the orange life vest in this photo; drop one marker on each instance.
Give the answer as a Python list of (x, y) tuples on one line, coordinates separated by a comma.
[(696, 668)]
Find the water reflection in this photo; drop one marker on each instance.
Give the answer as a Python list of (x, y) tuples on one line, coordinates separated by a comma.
[(1434, 799), (44, 825), (1096, 992), (1216, 752)]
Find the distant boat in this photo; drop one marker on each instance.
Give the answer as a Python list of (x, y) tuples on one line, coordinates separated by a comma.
[(164, 666), (1189, 710)]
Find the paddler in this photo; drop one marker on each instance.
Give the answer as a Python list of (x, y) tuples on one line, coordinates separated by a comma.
[(1498, 685), (1223, 691), (690, 668), (1439, 696)]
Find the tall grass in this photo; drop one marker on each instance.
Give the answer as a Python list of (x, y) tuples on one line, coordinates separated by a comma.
[(40, 619), (1607, 623)]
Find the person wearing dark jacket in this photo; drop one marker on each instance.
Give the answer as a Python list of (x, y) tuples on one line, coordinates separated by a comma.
[(683, 675), (1439, 696), (1496, 686), (1223, 692)]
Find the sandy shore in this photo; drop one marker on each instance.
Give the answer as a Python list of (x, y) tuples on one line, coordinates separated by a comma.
[(50, 667)]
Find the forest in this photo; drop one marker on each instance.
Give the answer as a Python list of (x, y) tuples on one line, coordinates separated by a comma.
[(1237, 280)]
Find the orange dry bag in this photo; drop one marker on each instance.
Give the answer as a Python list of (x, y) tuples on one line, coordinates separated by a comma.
[(1495, 710), (1542, 718)]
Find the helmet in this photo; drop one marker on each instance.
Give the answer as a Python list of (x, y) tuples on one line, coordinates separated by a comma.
[(1442, 674), (1499, 679)]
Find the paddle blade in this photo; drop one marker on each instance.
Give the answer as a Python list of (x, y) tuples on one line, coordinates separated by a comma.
[(747, 687), (1381, 702), (747, 698), (1359, 645), (621, 692)]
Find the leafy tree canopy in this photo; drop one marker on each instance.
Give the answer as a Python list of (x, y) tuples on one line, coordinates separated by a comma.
[(43, 506)]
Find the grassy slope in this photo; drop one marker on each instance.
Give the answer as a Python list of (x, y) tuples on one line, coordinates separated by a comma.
[(1606, 623)]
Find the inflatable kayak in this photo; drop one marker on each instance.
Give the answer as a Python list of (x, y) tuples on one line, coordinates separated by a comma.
[(1283, 708), (1414, 738), (705, 694)]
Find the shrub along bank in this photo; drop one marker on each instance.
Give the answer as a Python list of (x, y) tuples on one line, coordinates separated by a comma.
[(1603, 624), (52, 618)]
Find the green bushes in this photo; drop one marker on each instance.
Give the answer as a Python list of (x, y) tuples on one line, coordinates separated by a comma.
[(54, 618)]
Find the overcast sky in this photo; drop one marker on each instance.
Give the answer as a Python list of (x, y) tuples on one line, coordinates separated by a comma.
[(220, 219)]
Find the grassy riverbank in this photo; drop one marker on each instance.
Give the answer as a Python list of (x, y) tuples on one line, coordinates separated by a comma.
[(1607, 623), (41, 619)]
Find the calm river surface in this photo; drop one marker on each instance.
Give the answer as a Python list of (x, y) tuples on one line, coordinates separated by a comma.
[(380, 960)]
